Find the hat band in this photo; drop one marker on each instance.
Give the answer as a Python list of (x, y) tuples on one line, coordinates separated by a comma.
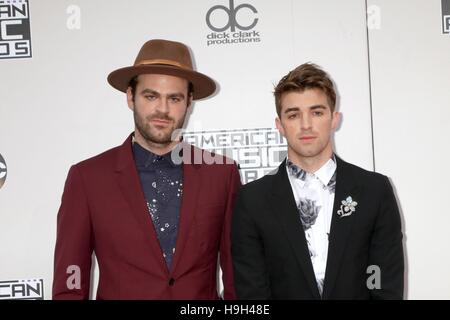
[(163, 61)]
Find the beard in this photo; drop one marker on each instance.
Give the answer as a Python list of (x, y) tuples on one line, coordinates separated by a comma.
[(152, 134)]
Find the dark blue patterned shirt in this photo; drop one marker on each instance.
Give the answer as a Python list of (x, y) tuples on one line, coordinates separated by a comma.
[(162, 184)]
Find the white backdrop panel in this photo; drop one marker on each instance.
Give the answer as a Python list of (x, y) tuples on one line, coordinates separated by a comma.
[(410, 89), (57, 108)]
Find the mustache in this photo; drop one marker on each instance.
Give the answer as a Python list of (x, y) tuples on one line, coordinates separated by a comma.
[(159, 115)]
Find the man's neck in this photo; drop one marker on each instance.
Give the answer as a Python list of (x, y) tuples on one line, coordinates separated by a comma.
[(310, 164), (156, 148)]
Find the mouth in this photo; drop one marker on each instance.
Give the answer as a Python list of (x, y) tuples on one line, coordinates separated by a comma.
[(307, 138), (160, 122)]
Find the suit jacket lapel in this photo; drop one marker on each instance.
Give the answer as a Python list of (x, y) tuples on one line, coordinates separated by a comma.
[(129, 183), (284, 207), (191, 188), (346, 185)]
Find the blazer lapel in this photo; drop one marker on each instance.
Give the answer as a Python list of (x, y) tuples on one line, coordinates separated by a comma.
[(346, 185), (130, 186), (284, 207), (191, 188)]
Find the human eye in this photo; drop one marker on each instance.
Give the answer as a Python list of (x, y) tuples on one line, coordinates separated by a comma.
[(317, 113), (150, 97), (292, 116), (175, 99)]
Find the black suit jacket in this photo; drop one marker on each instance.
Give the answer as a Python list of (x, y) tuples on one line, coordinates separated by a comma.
[(270, 255)]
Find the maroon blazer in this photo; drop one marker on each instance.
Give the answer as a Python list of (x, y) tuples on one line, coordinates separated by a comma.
[(103, 210)]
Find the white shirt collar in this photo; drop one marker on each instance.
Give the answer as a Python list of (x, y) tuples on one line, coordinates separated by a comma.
[(324, 173)]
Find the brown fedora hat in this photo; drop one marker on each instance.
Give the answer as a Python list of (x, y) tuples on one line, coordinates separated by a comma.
[(168, 58)]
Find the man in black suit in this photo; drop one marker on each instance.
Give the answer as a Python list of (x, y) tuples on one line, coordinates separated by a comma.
[(319, 227)]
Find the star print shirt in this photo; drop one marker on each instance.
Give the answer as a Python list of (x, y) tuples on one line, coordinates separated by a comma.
[(161, 181)]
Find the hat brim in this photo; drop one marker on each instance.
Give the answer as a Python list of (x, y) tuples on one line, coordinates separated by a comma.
[(204, 86)]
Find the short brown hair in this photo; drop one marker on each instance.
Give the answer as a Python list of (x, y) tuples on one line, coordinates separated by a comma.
[(305, 76)]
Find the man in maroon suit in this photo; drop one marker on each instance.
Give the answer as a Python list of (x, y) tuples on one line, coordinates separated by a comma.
[(154, 210)]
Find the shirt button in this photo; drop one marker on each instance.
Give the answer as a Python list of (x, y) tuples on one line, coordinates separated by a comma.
[(171, 281)]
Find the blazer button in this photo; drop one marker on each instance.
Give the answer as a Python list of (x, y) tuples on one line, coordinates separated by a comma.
[(171, 281)]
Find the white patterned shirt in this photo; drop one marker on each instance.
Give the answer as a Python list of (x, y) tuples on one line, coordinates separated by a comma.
[(314, 195)]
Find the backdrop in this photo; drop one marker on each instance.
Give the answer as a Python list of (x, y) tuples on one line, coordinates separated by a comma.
[(389, 60)]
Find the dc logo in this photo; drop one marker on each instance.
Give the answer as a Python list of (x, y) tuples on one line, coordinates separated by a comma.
[(232, 21), (2, 171)]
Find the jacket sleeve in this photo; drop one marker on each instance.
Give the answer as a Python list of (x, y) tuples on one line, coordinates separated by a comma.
[(250, 271), (74, 245), (386, 248), (226, 263)]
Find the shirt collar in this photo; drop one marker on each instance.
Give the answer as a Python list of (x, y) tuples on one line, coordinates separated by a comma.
[(324, 173), (147, 158), (327, 171)]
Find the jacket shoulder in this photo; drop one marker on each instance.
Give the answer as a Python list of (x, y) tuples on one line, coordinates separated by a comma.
[(364, 176), (100, 162), (262, 185)]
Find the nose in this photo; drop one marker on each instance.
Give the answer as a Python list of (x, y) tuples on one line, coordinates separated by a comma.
[(305, 122), (163, 106)]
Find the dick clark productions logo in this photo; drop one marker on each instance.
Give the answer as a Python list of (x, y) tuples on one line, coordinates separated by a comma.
[(232, 24)]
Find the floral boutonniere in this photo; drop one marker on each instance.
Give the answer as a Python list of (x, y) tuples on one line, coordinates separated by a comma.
[(347, 207)]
